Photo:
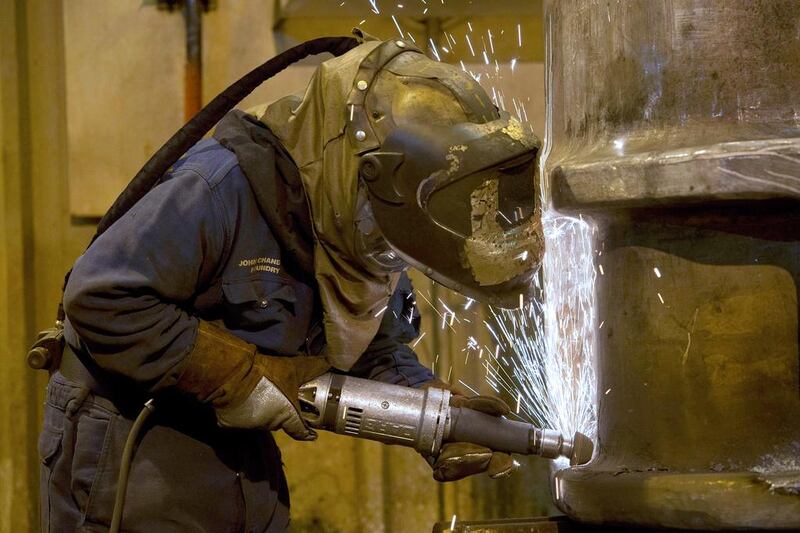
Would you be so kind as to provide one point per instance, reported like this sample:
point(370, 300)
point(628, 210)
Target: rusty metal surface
point(674, 124)
point(673, 99)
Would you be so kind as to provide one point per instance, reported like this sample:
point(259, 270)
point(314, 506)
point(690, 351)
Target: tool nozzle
point(552, 444)
point(582, 449)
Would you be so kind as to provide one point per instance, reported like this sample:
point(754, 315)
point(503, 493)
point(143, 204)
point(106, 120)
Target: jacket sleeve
point(389, 359)
point(128, 294)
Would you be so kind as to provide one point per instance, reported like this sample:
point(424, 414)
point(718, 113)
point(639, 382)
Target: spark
point(374, 6)
point(551, 340)
point(524, 113)
point(519, 402)
point(609, 390)
point(469, 25)
point(446, 308)
point(397, 25)
point(513, 63)
point(485, 57)
point(431, 305)
point(453, 523)
point(379, 313)
point(424, 11)
point(491, 42)
point(433, 49)
point(469, 43)
point(470, 388)
point(519, 35)
point(362, 22)
point(657, 272)
point(469, 303)
point(601, 269)
point(418, 339)
point(352, 110)
point(660, 297)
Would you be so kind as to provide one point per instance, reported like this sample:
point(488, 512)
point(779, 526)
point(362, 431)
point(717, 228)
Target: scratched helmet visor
point(461, 206)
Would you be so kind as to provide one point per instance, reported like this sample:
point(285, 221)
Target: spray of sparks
point(542, 353)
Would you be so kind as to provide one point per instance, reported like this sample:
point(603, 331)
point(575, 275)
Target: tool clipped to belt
point(47, 351)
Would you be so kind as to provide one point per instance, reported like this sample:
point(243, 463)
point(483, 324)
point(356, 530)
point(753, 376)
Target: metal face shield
point(459, 203)
point(493, 212)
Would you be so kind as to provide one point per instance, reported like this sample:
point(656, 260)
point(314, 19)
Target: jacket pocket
point(256, 304)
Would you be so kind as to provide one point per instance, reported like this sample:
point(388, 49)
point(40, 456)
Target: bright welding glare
point(552, 338)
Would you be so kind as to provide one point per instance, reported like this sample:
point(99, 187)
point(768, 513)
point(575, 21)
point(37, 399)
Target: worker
point(267, 255)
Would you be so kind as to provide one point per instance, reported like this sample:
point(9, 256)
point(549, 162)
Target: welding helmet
point(448, 181)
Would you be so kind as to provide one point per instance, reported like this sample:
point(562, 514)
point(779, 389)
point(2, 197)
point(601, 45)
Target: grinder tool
point(423, 419)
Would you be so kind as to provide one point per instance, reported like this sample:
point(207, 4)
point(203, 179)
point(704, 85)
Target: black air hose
point(206, 118)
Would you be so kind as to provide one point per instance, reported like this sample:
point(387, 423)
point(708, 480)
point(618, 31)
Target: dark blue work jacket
point(196, 247)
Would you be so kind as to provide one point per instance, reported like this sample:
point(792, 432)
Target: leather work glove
point(457, 460)
point(248, 389)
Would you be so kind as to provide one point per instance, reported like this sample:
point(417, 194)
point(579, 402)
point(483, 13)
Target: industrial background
point(89, 90)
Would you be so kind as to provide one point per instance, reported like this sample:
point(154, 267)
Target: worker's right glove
point(457, 460)
point(248, 389)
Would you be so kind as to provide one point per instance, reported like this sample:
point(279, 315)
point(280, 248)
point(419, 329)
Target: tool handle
point(499, 434)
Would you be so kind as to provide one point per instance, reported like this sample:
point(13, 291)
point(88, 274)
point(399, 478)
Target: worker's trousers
point(186, 475)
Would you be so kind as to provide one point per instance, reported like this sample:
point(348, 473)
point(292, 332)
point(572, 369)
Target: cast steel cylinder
point(674, 125)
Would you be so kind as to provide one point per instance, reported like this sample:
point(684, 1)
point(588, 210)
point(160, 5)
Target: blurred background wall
point(90, 88)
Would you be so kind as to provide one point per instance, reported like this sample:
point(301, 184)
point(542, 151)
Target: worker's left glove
point(246, 388)
point(457, 460)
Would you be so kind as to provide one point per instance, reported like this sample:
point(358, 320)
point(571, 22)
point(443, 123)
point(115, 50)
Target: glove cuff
point(219, 369)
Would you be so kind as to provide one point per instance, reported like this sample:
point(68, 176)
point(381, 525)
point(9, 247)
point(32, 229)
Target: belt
point(175, 410)
point(122, 395)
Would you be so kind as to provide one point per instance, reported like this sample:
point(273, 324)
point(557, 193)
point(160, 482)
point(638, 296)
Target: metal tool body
point(424, 420)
